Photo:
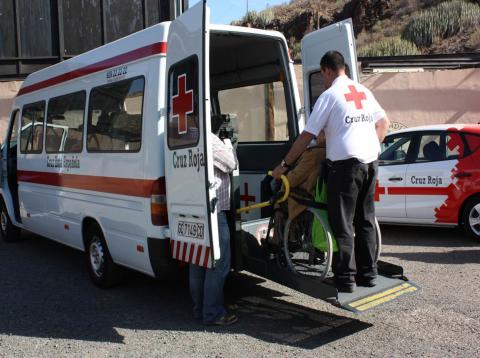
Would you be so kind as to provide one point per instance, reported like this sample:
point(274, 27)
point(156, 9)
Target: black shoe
point(367, 282)
point(346, 287)
point(225, 320)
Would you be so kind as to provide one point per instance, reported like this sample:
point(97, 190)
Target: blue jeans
point(206, 285)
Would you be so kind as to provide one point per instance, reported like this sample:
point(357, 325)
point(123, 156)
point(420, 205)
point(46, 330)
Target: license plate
point(189, 229)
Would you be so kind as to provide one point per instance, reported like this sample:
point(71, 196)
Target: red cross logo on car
point(182, 104)
point(379, 190)
point(355, 96)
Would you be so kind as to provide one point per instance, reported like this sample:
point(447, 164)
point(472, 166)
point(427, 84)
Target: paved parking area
point(48, 307)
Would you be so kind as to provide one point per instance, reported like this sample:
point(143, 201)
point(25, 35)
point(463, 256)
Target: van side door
point(190, 183)
point(9, 162)
point(338, 37)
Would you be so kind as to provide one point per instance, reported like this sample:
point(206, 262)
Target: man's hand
point(297, 149)
point(278, 172)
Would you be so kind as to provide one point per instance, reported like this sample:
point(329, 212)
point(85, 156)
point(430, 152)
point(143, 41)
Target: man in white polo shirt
point(354, 125)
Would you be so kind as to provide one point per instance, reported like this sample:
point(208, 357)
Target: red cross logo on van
point(355, 96)
point(182, 104)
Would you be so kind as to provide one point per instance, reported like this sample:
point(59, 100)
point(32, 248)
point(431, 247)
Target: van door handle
point(463, 175)
point(395, 179)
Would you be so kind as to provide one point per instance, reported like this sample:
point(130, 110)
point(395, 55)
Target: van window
point(317, 87)
point(65, 123)
point(183, 126)
point(261, 111)
point(115, 117)
point(31, 134)
point(432, 148)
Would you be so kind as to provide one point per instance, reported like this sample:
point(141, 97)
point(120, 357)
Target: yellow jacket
point(304, 175)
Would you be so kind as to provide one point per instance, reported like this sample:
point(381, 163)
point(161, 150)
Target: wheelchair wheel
point(300, 254)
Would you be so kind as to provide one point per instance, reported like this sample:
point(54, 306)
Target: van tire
point(8, 231)
point(101, 268)
point(471, 217)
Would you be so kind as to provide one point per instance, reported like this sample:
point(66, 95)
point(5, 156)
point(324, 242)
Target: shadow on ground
point(46, 292)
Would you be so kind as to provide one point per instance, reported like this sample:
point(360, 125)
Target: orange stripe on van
point(149, 50)
point(122, 186)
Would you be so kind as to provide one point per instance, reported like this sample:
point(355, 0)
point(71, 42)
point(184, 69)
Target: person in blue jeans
point(206, 284)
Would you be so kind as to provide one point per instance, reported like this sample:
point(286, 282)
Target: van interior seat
point(74, 140)
point(53, 139)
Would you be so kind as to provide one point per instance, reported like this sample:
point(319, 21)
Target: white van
point(108, 152)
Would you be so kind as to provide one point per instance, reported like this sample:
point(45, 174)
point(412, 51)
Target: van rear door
point(190, 181)
point(338, 37)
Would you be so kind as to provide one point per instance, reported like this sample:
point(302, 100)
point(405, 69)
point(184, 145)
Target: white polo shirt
point(347, 112)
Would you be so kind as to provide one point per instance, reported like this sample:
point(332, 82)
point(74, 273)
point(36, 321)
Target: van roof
point(148, 42)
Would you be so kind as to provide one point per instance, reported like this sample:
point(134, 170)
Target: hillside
point(382, 27)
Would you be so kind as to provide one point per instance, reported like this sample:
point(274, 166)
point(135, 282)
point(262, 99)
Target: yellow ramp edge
point(381, 297)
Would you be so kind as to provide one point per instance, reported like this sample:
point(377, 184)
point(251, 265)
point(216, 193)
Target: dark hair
point(333, 60)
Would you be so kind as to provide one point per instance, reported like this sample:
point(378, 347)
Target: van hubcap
point(97, 259)
point(3, 221)
point(474, 219)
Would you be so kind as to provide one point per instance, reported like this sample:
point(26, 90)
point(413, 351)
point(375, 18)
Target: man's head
point(332, 65)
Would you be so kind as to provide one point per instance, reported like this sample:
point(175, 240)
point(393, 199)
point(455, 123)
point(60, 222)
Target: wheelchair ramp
point(391, 283)
point(366, 298)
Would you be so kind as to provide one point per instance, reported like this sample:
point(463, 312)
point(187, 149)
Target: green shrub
point(264, 18)
point(391, 46)
point(444, 20)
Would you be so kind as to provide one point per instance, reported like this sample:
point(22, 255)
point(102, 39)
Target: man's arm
point(381, 126)
point(223, 155)
point(297, 149)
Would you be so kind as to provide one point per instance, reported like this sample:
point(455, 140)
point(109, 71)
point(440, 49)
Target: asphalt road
point(48, 307)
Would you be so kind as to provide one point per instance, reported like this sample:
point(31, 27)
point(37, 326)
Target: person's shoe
point(346, 287)
point(225, 320)
point(367, 282)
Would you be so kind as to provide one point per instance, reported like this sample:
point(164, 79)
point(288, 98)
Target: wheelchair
point(295, 249)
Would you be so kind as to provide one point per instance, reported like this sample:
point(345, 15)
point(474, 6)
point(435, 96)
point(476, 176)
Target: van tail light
point(158, 203)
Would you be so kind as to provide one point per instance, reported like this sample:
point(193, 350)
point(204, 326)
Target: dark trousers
point(351, 211)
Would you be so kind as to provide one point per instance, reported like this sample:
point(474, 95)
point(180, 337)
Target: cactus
point(391, 46)
point(444, 20)
point(264, 18)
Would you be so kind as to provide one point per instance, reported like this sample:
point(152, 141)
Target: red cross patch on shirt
point(182, 103)
point(356, 97)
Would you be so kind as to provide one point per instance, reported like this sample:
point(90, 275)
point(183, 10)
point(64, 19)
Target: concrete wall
point(430, 97)
point(8, 91)
point(412, 99)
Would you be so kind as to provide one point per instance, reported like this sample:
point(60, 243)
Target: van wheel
point(103, 271)
point(471, 217)
point(8, 231)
